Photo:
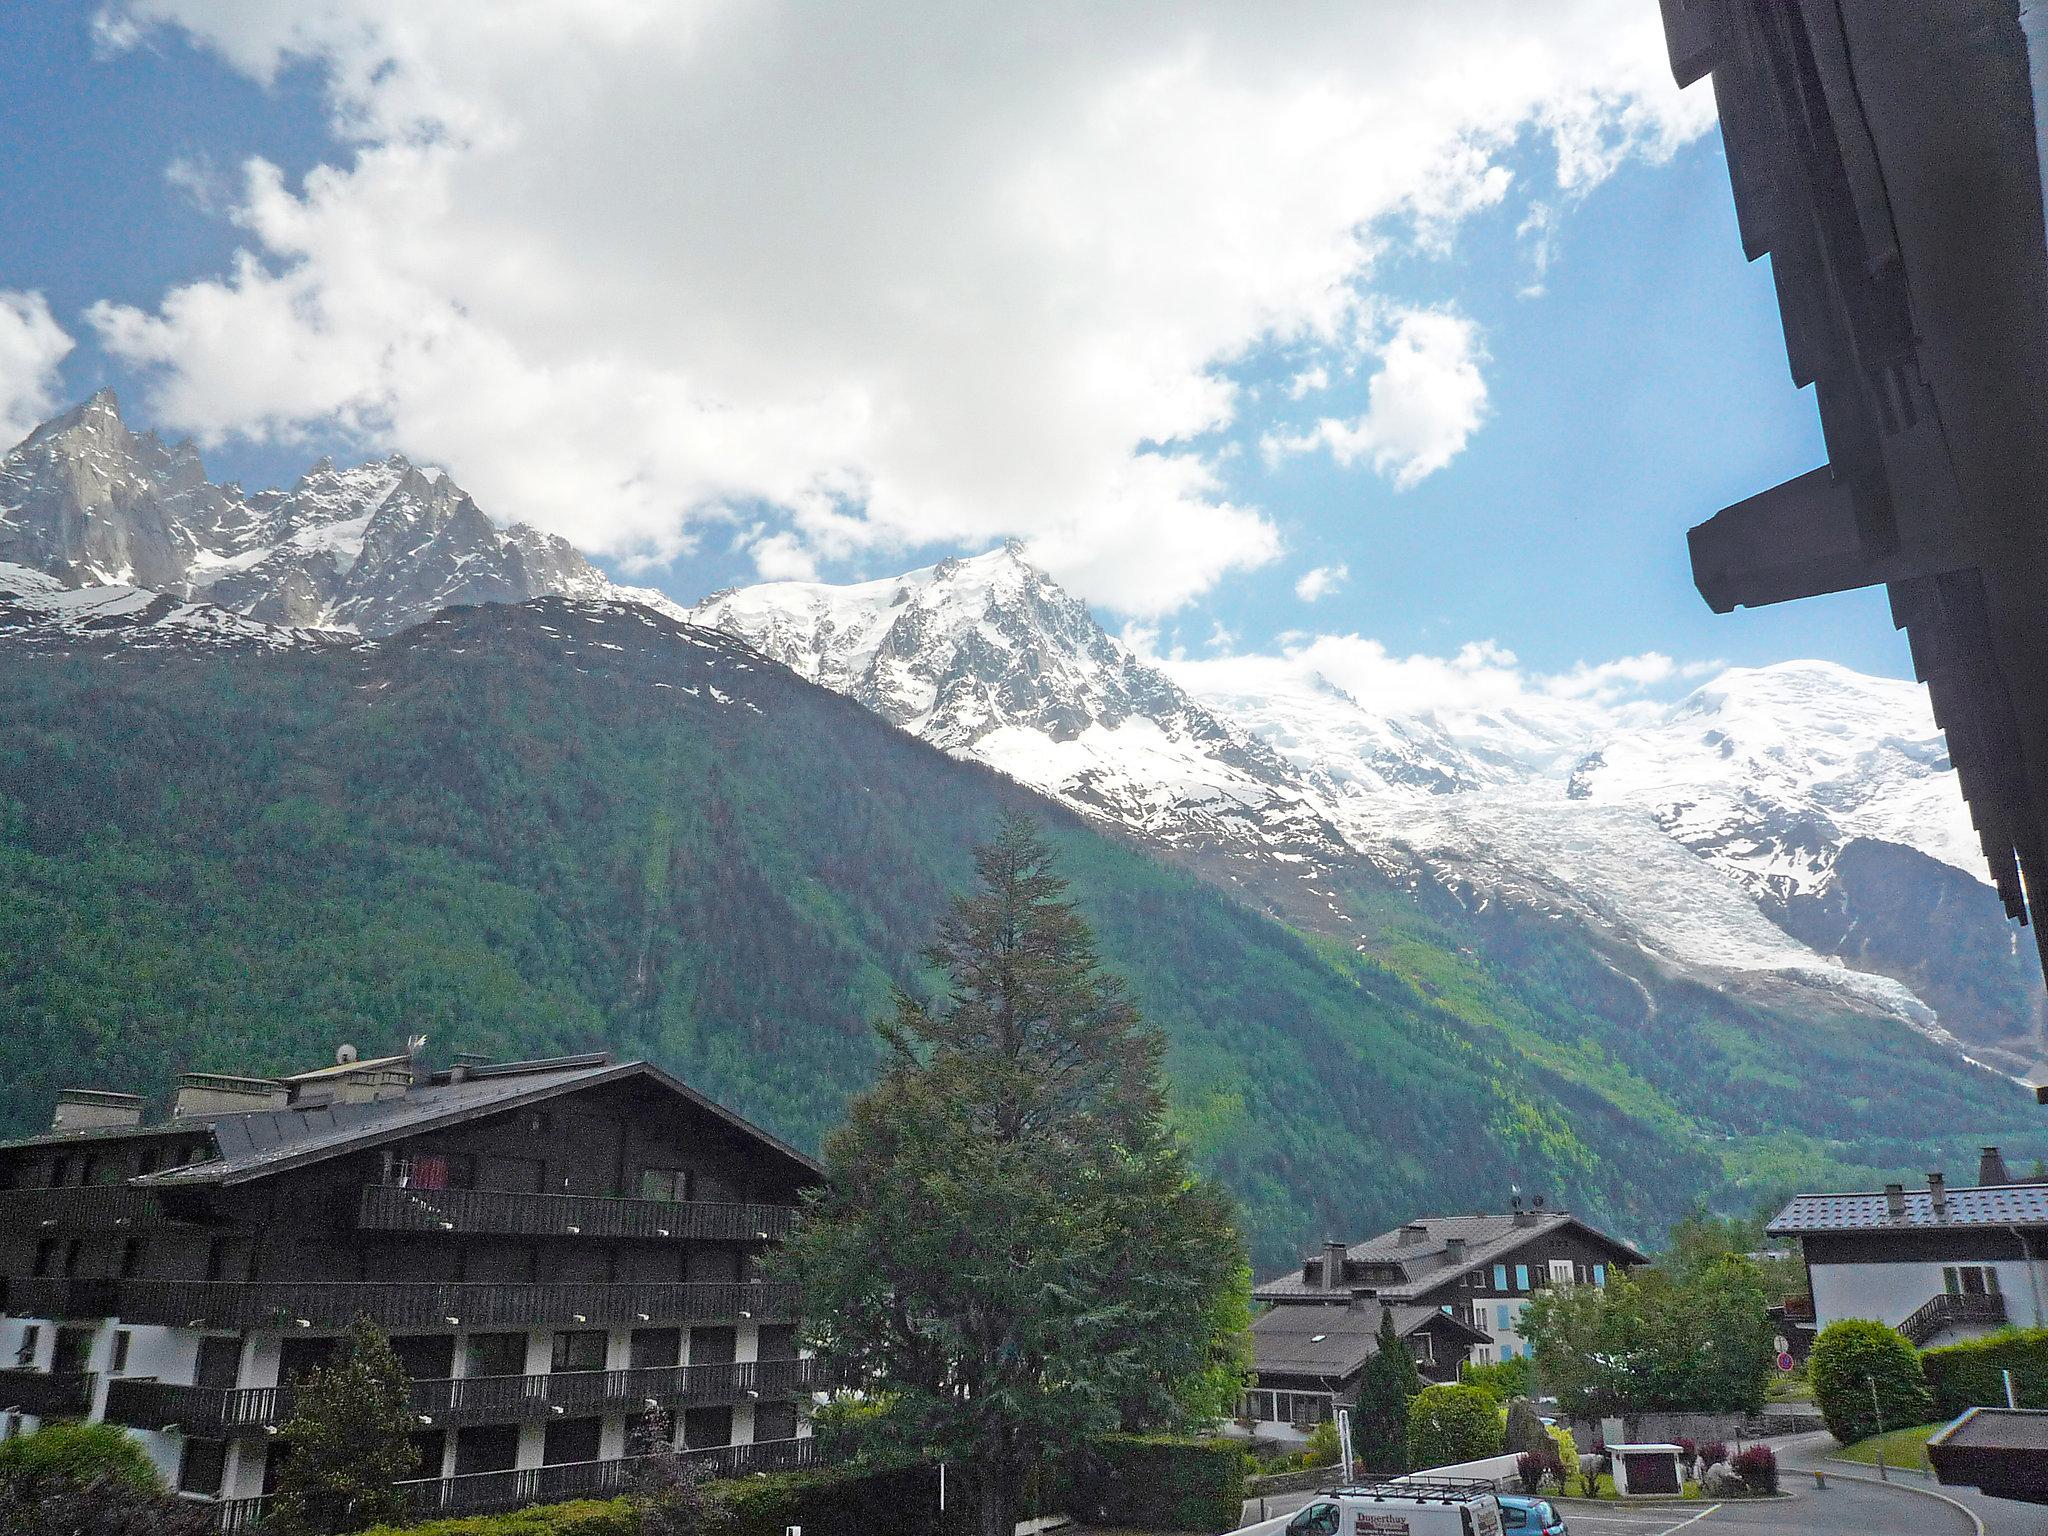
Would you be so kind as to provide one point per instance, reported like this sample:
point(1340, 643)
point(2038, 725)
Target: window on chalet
point(1500, 1277)
point(704, 1428)
point(1422, 1347)
point(429, 1170)
point(31, 1338)
point(497, 1354)
point(60, 1172)
point(73, 1348)
point(201, 1466)
point(1599, 1274)
point(656, 1347)
point(486, 1448)
point(664, 1184)
point(775, 1421)
point(118, 1362)
point(1969, 1280)
point(1521, 1277)
point(582, 1350)
point(571, 1440)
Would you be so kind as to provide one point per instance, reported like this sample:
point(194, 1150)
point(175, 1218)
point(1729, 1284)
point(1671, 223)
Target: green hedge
point(583, 1517)
point(1966, 1375)
point(1156, 1483)
point(838, 1502)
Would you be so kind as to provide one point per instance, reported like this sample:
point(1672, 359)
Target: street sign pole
point(1344, 1440)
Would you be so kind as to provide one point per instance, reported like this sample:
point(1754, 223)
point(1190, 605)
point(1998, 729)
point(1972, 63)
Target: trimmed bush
point(1525, 1433)
point(1450, 1424)
point(1966, 1375)
point(582, 1517)
point(1323, 1447)
point(1156, 1483)
point(1847, 1358)
point(1757, 1466)
point(837, 1502)
point(74, 1456)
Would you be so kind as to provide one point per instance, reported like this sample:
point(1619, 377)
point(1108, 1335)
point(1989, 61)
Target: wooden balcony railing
point(428, 1306)
point(1950, 1312)
point(81, 1208)
point(66, 1395)
point(45, 1296)
point(444, 1402)
point(390, 1208)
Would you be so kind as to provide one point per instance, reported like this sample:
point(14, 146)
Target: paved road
point(2001, 1517)
point(1839, 1508)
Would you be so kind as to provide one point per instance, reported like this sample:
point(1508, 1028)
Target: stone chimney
point(1937, 1192)
point(1454, 1250)
point(1523, 1218)
point(1333, 1265)
point(1895, 1201)
point(1991, 1168)
point(94, 1109)
point(1411, 1233)
point(1365, 1299)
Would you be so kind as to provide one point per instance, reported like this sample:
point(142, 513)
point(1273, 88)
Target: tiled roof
point(1991, 1205)
point(1331, 1341)
point(1422, 1259)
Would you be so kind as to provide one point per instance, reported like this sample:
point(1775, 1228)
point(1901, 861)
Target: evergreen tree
point(1379, 1419)
point(1010, 1244)
point(350, 1439)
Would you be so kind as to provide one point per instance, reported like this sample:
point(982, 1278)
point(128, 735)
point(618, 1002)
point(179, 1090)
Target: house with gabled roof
point(1455, 1284)
point(1939, 1263)
point(558, 1249)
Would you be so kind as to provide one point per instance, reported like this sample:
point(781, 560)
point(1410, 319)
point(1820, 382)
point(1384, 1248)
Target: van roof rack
point(1395, 1486)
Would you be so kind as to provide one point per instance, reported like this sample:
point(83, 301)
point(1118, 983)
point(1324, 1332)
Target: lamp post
point(1877, 1408)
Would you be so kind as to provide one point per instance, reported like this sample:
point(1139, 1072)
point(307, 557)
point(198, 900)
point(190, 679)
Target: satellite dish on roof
point(344, 1054)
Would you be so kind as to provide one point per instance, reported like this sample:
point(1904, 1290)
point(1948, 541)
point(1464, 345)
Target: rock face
point(1791, 825)
point(370, 549)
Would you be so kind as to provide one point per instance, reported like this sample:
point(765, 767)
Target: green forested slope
point(524, 830)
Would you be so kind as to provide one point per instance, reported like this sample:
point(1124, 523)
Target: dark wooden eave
point(1885, 156)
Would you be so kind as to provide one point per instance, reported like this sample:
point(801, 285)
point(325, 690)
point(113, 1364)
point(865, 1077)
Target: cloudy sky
point(1410, 333)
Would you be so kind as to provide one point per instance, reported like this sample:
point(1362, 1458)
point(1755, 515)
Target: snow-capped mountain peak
point(371, 548)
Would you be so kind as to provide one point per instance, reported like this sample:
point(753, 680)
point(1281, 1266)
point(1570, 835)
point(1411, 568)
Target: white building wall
point(1892, 1292)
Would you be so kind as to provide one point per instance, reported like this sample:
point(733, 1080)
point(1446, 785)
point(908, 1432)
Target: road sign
point(1785, 1361)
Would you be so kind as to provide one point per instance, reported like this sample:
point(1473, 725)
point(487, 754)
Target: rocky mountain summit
point(1735, 836)
point(370, 549)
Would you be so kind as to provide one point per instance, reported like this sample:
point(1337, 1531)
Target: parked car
point(1530, 1517)
point(1409, 1508)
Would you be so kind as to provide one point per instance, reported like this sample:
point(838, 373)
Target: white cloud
point(32, 344)
point(885, 278)
point(1481, 681)
point(1321, 581)
point(1308, 379)
point(1422, 407)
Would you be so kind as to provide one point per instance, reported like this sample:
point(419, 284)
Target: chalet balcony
point(65, 1396)
point(1944, 1312)
point(482, 1493)
point(57, 1298)
point(446, 1402)
point(82, 1208)
point(422, 1306)
point(509, 1213)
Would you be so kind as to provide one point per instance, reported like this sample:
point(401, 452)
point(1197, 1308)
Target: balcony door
point(220, 1359)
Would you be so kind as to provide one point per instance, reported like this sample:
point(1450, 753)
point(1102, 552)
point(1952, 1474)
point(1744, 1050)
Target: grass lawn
point(1901, 1448)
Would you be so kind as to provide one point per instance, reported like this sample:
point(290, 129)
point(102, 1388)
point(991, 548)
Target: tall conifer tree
point(1011, 1249)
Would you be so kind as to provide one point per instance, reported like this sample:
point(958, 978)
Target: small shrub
point(1567, 1455)
point(1688, 1449)
point(1450, 1424)
point(1714, 1452)
point(1851, 1355)
point(1592, 1468)
point(1757, 1466)
point(61, 1456)
point(1535, 1468)
point(1525, 1430)
point(1322, 1446)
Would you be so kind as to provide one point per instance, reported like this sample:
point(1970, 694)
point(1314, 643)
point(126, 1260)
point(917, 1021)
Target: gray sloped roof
point(1334, 1340)
point(255, 1143)
point(1424, 1262)
point(1989, 1205)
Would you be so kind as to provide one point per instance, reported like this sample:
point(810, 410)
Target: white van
point(1409, 1508)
